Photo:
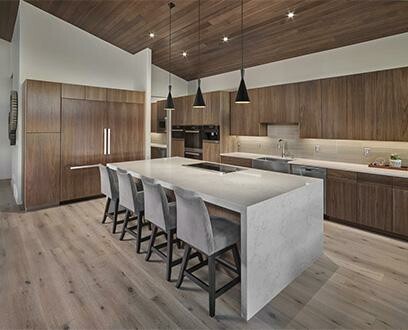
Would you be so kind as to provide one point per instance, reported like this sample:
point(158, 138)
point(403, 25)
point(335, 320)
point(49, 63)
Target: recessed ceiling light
point(291, 14)
point(151, 35)
point(225, 39)
point(184, 54)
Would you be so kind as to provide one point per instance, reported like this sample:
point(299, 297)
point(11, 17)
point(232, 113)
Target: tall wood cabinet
point(69, 130)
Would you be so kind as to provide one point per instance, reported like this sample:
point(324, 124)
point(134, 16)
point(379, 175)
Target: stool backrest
point(193, 221)
point(156, 204)
point(109, 184)
point(128, 195)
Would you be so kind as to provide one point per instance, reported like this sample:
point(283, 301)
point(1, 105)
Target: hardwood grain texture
point(245, 162)
point(82, 143)
point(400, 211)
point(177, 147)
point(318, 25)
point(8, 15)
point(310, 109)
point(126, 122)
point(245, 118)
point(211, 151)
point(61, 268)
point(95, 93)
point(124, 96)
point(41, 170)
point(400, 104)
point(43, 106)
point(70, 91)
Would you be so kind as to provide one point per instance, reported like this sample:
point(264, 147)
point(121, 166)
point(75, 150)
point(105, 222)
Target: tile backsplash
point(352, 151)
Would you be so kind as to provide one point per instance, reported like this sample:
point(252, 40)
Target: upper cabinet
point(400, 100)
point(310, 109)
point(245, 118)
point(42, 106)
point(279, 104)
point(124, 96)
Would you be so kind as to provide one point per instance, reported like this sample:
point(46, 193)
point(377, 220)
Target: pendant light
point(242, 95)
point(169, 102)
point(199, 100)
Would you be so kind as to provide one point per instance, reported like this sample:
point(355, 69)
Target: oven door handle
point(192, 132)
point(177, 130)
point(192, 153)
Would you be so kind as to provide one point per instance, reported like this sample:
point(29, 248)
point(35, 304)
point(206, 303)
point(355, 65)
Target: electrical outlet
point(317, 148)
point(366, 151)
point(259, 145)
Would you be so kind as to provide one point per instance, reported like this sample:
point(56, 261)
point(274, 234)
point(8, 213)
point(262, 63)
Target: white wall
point(53, 50)
point(160, 84)
point(379, 54)
point(5, 86)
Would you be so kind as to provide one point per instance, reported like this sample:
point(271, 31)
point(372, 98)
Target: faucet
point(282, 146)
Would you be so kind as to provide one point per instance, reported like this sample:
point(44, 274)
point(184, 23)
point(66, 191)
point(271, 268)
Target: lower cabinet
point(211, 151)
point(341, 195)
point(244, 162)
point(177, 147)
point(400, 206)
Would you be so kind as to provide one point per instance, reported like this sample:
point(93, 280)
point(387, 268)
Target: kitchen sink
point(272, 164)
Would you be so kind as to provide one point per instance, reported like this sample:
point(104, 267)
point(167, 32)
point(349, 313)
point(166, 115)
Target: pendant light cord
point(199, 41)
point(242, 37)
point(170, 7)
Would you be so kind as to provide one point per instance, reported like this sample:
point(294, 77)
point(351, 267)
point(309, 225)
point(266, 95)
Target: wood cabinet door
point(400, 211)
point(82, 144)
point(341, 195)
point(334, 108)
point(177, 147)
point(245, 117)
point(42, 170)
point(244, 162)
point(177, 115)
point(211, 151)
point(400, 109)
point(127, 136)
point(375, 201)
point(310, 108)
point(211, 113)
point(42, 107)
point(124, 96)
point(70, 91)
point(356, 126)
point(95, 93)
point(154, 120)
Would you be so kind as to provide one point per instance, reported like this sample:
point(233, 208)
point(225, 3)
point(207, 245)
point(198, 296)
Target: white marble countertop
point(158, 145)
point(235, 191)
point(353, 167)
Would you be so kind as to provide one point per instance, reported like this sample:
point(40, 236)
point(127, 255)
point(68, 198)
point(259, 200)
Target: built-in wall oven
point(193, 142)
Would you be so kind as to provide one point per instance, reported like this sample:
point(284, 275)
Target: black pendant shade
point(199, 100)
point(242, 95)
point(169, 102)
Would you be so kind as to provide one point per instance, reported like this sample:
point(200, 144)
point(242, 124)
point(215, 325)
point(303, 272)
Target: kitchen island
point(281, 218)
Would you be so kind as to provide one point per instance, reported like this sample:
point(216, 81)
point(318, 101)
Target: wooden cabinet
point(245, 117)
point(177, 115)
point(95, 93)
point(41, 170)
point(211, 113)
point(244, 162)
point(177, 147)
point(42, 106)
point(211, 151)
point(375, 200)
point(400, 206)
point(126, 125)
point(341, 195)
point(279, 104)
point(400, 104)
point(70, 91)
point(158, 115)
point(310, 109)
point(124, 96)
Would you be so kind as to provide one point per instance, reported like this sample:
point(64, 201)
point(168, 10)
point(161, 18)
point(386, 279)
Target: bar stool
point(109, 187)
point(133, 201)
point(211, 236)
point(161, 214)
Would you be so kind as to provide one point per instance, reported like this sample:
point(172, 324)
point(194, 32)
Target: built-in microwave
point(162, 125)
point(211, 133)
point(177, 132)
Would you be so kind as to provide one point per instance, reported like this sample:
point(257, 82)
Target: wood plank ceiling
point(8, 14)
point(269, 35)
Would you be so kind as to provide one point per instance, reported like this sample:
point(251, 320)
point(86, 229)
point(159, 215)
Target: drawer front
point(245, 162)
point(401, 183)
point(338, 174)
point(373, 178)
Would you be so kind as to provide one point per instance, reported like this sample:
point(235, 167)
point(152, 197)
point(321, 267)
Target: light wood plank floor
point(61, 268)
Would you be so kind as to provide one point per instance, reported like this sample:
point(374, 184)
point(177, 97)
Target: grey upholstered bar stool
point(132, 199)
point(212, 236)
point(161, 214)
point(109, 187)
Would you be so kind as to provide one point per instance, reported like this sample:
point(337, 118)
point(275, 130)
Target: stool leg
point(211, 285)
point(184, 264)
point(105, 214)
point(139, 232)
point(151, 242)
point(115, 216)
point(125, 225)
point(169, 260)
point(237, 258)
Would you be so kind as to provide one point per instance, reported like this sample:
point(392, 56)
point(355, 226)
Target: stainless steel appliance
point(193, 142)
point(216, 167)
point(177, 132)
point(162, 125)
point(211, 133)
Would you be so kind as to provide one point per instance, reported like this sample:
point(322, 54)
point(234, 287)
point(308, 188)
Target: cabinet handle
point(104, 140)
point(83, 167)
point(109, 141)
